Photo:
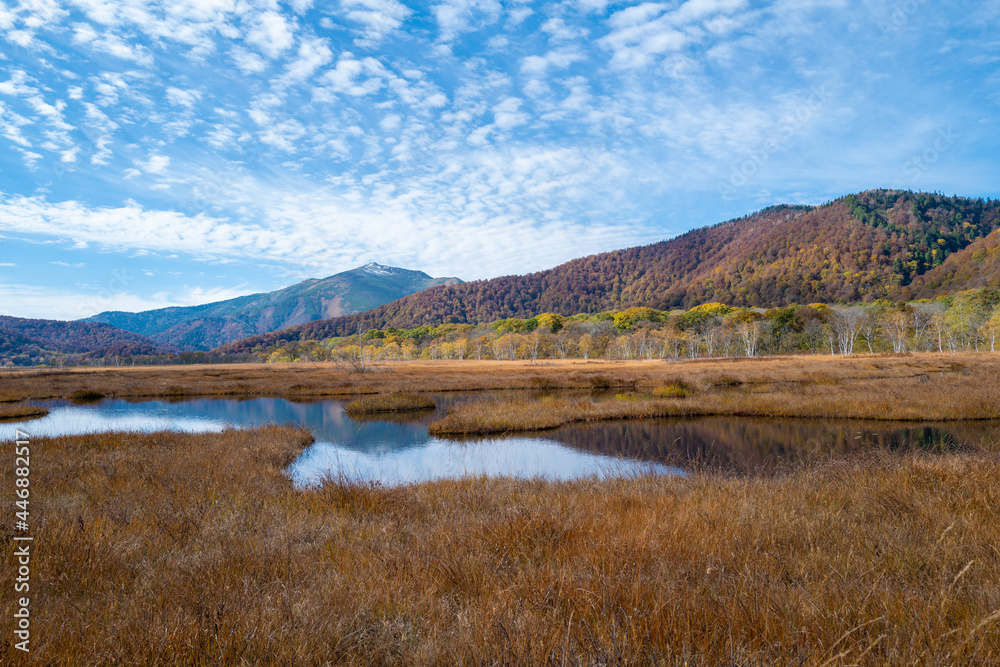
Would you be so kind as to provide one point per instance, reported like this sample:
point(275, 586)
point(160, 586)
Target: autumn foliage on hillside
point(30, 341)
point(879, 244)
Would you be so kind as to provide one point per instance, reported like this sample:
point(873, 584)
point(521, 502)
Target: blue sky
point(173, 153)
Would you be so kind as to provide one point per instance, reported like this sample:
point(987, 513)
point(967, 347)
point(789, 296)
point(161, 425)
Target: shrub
point(674, 390)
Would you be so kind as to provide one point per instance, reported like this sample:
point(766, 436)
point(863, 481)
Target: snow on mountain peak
point(375, 267)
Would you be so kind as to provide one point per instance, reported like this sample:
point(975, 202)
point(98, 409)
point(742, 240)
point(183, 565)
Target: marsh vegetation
point(197, 549)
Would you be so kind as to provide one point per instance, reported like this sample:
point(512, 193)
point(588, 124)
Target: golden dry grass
point(17, 412)
point(677, 389)
point(380, 403)
point(970, 396)
point(308, 380)
point(171, 549)
point(881, 387)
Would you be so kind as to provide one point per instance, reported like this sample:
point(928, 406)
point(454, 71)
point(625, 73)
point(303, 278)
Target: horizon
point(172, 154)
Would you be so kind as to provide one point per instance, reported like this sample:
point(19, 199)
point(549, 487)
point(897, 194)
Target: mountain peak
point(380, 269)
point(212, 324)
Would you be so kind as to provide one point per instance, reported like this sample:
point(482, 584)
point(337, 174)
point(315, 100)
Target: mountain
point(26, 341)
point(212, 324)
point(873, 245)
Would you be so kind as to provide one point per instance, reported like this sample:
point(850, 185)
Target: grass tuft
point(676, 389)
point(16, 412)
point(86, 396)
point(399, 402)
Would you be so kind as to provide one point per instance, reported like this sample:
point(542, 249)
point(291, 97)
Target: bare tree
point(871, 322)
point(847, 327)
point(922, 314)
point(712, 335)
point(749, 332)
point(897, 327)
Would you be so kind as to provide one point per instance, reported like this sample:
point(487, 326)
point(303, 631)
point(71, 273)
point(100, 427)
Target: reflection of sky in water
point(436, 459)
point(391, 453)
point(397, 451)
point(111, 416)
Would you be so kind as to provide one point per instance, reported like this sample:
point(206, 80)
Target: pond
point(398, 449)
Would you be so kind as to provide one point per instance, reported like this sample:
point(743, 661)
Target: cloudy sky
point(180, 152)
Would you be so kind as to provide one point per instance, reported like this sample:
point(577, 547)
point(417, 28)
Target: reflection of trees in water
point(421, 417)
point(746, 444)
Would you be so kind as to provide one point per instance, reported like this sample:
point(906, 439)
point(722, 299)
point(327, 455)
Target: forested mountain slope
point(877, 244)
point(28, 341)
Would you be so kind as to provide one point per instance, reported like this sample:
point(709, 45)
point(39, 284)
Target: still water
point(391, 451)
point(398, 450)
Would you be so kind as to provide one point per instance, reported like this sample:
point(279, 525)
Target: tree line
point(967, 321)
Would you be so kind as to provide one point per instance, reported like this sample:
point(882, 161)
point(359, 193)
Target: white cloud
point(379, 17)
point(10, 126)
point(183, 97)
point(15, 85)
point(112, 44)
point(221, 137)
point(346, 76)
point(283, 135)
point(558, 31)
point(537, 66)
point(520, 202)
point(457, 16)
point(641, 33)
point(313, 54)
point(271, 33)
point(156, 164)
point(507, 114)
point(248, 62)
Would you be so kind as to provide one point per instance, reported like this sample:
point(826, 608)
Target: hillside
point(26, 341)
point(209, 325)
point(877, 244)
point(978, 265)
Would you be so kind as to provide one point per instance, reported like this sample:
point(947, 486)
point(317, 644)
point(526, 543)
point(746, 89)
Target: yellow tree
point(991, 328)
point(551, 322)
point(506, 345)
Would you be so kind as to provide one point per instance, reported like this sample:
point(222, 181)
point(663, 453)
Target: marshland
point(199, 548)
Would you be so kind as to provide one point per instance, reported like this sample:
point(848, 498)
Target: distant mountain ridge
point(210, 325)
point(878, 244)
point(26, 341)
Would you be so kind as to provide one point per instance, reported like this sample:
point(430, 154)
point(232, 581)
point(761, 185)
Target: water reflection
point(748, 444)
point(399, 449)
point(391, 451)
point(440, 459)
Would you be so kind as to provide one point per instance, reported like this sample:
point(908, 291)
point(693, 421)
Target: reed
point(399, 402)
point(675, 389)
point(195, 549)
point(17, 412)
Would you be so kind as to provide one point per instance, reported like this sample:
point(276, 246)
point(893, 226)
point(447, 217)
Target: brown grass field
point(196, 549)
point(181, 549)
point(906, 387)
